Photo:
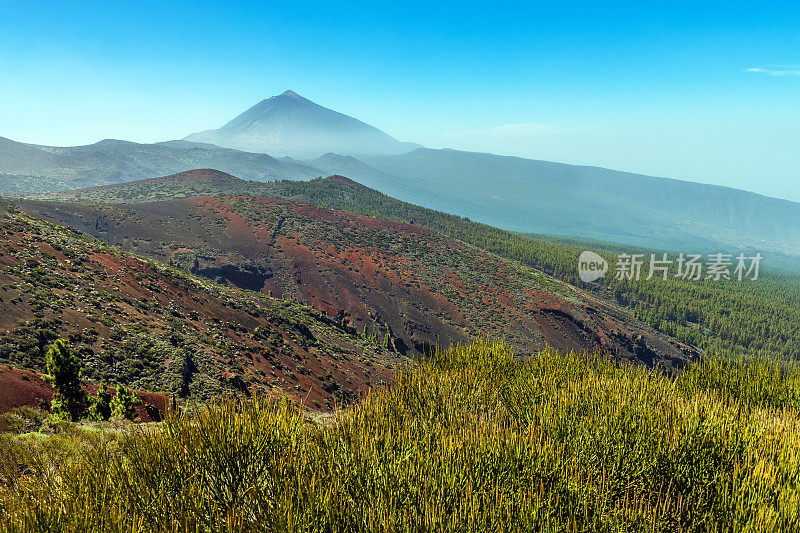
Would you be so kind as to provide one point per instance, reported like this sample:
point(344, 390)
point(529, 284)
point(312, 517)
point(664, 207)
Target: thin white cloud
point(777, 71)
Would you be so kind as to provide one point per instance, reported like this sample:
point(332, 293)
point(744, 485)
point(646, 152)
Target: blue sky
point(701, 91)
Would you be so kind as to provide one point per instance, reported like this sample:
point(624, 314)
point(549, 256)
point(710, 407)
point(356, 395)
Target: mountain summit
point(289, 124)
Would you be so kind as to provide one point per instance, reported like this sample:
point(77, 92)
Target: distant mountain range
point(539, 196)
point(290, 125)
point(115, 161)
point(509, 192)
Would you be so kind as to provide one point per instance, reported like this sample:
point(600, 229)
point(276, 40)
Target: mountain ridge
point(117, 161)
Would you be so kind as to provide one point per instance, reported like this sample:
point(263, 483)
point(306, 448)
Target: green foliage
point(22, 419)
point(64, 373)
point(124, 403)
point(27, 344)
point(23, 185)
point(469, 440)
point(100, 404)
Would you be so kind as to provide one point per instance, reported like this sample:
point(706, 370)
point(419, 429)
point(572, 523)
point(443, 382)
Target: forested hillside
point(411, 286)
point(742, 318)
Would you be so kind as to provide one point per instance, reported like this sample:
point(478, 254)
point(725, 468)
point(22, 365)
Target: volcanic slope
point(411, 283)
point(156, 328)
point(737, 318)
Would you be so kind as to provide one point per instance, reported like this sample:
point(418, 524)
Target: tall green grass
point(468, 440)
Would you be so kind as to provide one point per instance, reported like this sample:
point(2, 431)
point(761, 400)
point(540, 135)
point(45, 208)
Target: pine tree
point(64, 373)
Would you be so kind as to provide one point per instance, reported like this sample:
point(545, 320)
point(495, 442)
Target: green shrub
point(124, 403)
point(100, 405)
point(22, 420)
point(469, 440)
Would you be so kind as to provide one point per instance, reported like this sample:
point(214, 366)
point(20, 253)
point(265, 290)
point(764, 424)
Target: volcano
point(290, 125)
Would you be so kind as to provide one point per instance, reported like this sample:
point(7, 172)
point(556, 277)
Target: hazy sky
point(699, 90)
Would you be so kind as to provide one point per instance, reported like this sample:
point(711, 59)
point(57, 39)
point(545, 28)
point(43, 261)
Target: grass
point(470, 439)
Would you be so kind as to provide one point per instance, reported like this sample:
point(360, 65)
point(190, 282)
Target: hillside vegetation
point(413, 284)
point(468, 440)
point(157, 328)
point(741, 318)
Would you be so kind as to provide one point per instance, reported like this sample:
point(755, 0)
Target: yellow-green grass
point(468, 440)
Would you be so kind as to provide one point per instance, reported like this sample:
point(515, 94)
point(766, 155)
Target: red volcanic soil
point(23, 387)
point(413, 284)
point(27, 388)
point(114, 304)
